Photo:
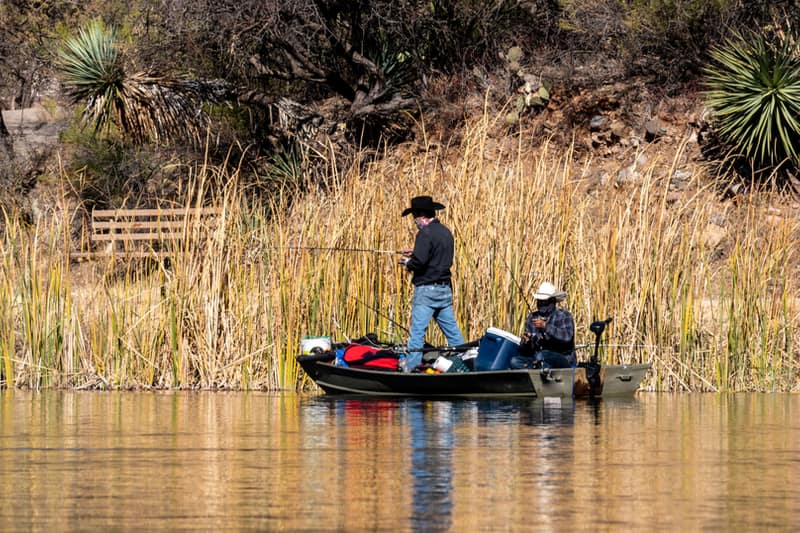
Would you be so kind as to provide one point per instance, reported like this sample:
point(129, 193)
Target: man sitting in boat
point(549, 338)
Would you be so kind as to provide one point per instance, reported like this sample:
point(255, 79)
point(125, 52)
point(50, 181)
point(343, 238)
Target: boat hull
point(614, 380)
point(563, 382)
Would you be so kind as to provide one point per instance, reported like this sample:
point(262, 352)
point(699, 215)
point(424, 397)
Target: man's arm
point(422, 253)
point(560, 327)
point(532, 337)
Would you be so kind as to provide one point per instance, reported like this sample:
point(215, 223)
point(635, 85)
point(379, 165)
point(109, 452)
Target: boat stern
point(615, 380)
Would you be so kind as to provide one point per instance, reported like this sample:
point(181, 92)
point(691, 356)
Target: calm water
point(251, 461)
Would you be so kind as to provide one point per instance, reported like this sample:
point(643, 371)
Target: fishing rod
point(337, 249)
point(628, 345)
point(390, 319)
point(336, 323)
point(519, 287)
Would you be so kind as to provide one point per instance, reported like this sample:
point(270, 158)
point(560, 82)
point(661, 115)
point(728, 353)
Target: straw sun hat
point(547, 291)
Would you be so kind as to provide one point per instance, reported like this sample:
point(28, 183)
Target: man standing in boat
point(429, 262)
point(549, 338)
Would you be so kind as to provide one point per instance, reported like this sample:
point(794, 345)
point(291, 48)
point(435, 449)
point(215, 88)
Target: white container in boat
point(311, 344)
point(442, 364)
point(472, 353)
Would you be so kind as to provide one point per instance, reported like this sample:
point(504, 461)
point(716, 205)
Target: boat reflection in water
point(251, 461)
point(431, 450)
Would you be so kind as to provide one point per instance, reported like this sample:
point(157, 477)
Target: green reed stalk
point(45, 312)
point(7, 327)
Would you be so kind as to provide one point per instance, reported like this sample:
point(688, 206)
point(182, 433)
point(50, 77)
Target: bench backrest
point(145, 232)
point(149, 224)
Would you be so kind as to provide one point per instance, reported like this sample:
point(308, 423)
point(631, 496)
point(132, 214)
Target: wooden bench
point(153, 233)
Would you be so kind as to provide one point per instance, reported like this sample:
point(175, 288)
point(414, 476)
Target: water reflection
point(430, 428)
point(598, 408)
point(252, 461)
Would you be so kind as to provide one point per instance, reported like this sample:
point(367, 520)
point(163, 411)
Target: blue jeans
point(431, 302)
point(543, 359)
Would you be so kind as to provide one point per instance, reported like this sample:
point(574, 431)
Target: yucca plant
point(145, 107)
point(287, 165)
point(753, 89)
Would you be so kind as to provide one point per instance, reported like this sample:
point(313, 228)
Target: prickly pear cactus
point(533, 91)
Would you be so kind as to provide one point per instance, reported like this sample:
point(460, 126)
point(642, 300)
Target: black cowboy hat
point(422, 203)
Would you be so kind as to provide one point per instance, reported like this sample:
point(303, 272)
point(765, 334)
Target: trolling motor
point(593, 366)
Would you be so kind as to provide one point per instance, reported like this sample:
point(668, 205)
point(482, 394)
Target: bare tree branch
point(397, 103)
point(367, 55)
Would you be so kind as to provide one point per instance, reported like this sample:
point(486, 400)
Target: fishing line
point(519, 288)
point(381, 314)
point(336, 323)
point(336, 249)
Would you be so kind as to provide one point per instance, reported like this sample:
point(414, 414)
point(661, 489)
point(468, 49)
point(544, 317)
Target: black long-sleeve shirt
point(433, 255)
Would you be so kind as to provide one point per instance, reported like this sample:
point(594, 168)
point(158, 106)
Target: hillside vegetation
point(570, 141)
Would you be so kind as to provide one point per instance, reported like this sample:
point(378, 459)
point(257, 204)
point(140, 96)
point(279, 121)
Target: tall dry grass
point(712, 313)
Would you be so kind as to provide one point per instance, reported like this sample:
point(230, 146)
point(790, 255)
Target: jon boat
point(588, 379)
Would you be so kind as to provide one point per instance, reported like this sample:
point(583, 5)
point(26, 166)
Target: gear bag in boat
point(362, 356)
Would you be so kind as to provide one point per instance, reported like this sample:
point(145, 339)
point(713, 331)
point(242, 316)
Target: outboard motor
point(593, 366)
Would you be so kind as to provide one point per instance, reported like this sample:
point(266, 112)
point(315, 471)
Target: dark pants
point(543, 359)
